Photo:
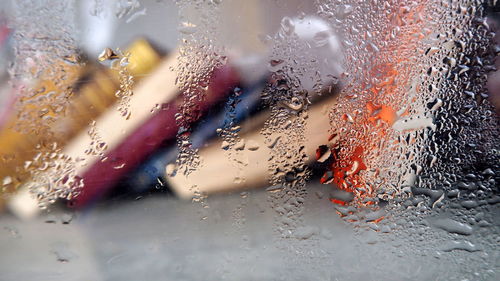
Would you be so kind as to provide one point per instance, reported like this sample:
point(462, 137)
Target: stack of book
point(93, 88)
point(141, 147)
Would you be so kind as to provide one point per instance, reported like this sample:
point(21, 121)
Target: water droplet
point(453, 226)
point(171, 170)
point(252, 145)
point(288, 26)
point(108, 54)
point(187, 28)
point(66, 218)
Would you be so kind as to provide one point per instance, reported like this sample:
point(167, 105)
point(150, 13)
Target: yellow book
point(92, 91)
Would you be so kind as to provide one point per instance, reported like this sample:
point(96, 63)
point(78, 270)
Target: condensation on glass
point(383, 104)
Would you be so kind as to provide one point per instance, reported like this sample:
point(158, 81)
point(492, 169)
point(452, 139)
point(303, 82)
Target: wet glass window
point(249, 140)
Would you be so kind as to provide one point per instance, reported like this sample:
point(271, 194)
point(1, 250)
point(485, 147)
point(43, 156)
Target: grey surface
point(160, 238)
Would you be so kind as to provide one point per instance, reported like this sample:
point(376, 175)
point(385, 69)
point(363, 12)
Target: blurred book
point(243, 108)
point(254, 152)
point(93, 91)
point(145, 138)
point(129, 141)
point(242, 104)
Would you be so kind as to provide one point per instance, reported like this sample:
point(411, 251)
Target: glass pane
point(249, 140)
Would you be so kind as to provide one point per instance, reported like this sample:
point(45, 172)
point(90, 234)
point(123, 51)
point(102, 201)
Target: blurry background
point(117, 62)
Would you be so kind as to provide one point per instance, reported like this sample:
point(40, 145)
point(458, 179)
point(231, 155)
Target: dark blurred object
point(493, 15)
